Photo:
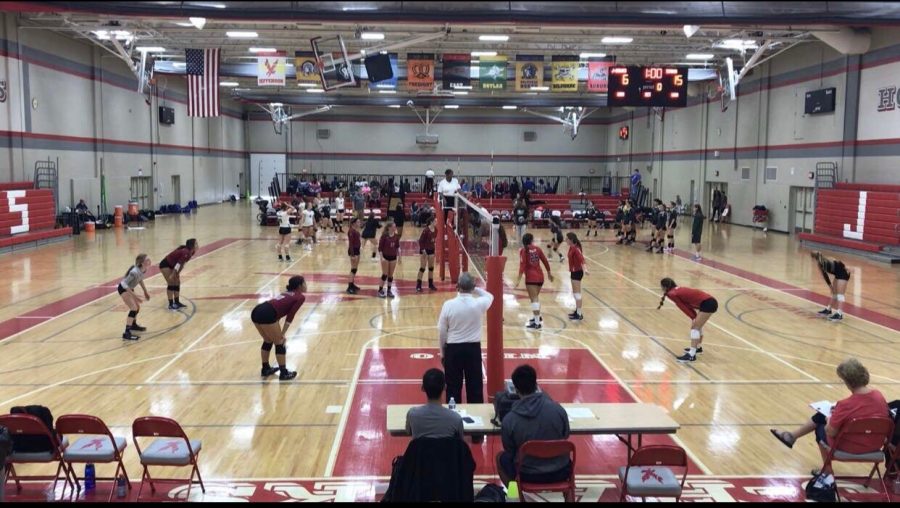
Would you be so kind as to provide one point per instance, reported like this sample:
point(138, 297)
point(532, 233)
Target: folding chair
point(547, 450)
point(30, 425)
point(865, 428)
point(170, 448)
point(97, 445)
point(649, 472)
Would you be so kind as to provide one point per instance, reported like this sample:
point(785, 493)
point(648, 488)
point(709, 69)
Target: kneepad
point(267, 346)
point(421, 270)
point(171, 287)
point(695, 334)
point(353, 271)
point(840, 298)
point(280, 349)
point(536, 306)
point(383, 278)
point(132, 313)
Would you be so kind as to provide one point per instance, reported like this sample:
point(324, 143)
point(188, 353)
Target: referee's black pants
point(464, 361)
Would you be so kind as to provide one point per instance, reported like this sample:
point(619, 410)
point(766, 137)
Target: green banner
point(492, 73)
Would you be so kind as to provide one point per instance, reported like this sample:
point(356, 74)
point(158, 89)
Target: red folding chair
point(649, 472)
point(30, 425)
point(170, 448)
point(547, 450)
point(97, 445)
point(862, 428)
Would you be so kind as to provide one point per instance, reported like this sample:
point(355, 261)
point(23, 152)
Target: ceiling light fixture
point(495, 38)
point(616, 40)
point(372, 36)
point(242, 35)
point(387, 91)
point(263, 50)
point(484, 53)
point(592, 55)
point(179, 23)
point(199, 23)
point(149, 49)
point(540, 88)
point(690, 30)
point(307, 85)
point(229, 83)
point(460, 92)
point(738, 44)
point(510, 107)
point(351, 8)
point(315, 90)
point(204, 4)
point(394, 106)
point(276, 104)
point(700, 56)
point(452, 106)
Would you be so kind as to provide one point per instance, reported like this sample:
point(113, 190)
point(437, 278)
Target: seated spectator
point(535, 417)
point(432, 419)
point(82, 209)
point(863, 402)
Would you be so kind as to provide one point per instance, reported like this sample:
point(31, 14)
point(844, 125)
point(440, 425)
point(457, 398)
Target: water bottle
point(452, 404)
point(89, 477)
point(512, 492)
point(121, 487)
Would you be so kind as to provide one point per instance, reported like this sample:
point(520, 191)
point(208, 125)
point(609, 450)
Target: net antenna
point(571, 117)
point(334, 63)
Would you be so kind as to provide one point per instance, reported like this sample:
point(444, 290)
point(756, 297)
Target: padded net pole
point(439, 243)
point(494, 266)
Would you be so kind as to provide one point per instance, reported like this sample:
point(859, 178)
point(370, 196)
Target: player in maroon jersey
point(266, 316)
point(171, 267)
point(698, 306)
point(354, 244)
point(426, 254)
point(576, 269)
point(389, 247)
point(530, 259)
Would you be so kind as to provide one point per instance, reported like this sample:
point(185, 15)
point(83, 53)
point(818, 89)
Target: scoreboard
point(636, 85)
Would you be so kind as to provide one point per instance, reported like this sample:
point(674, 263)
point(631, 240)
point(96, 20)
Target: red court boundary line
point(53, 310)
point(860, 312)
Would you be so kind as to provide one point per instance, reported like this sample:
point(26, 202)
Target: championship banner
point(529, 72)
point(305, 65)
point(492, 73)
point(564, 73)
point(419, 71)
point(598, 73)
point(385, 83)
point(270, 69)
point(457, 70)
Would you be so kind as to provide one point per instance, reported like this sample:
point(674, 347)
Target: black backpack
point(491, 493)
point(895, 439)
point(34, 444)
point(503, 403)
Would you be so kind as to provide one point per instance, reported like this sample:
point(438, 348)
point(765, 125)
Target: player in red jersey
point(698, 306)
point(576, 269)
point(265, 317)
point(530, 259)
point(354, 244)
point(389, 247)
point(426, 255)
point(171, 267)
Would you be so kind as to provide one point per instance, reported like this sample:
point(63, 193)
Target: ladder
point(46, 176)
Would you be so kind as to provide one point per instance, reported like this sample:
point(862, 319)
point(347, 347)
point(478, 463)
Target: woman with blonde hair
point(133, 277)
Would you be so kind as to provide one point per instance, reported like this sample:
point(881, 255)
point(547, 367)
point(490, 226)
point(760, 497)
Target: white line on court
point(345, 414)
point(222, 319)
point(745, 341)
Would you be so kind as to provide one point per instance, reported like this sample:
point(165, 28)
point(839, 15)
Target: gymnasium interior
point(128, 128)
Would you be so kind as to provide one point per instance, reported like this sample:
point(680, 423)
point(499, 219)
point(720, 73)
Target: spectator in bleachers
point(528, 185)
point(464, 186)
point(863, 402)
point(635, 182)
point(535, 417)
point(514, 189)
point(479, 190)
point(433, 420)
point(488, 187)
point(84, 212)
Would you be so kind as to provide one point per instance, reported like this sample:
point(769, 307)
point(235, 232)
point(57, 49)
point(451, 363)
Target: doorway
point(711, 187)
point(801, 214)
point(176, 189)
point(264, 167)
point(140, 191)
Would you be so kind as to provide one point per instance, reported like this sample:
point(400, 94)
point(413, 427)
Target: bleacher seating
point(27, 216)
point(864, 217)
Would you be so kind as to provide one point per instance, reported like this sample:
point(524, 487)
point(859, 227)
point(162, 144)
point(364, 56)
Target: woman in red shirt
point(265, 317)
point(389, 247)
point(171, 267)
point(354, 244)
point(576, 269)
point(698, 306)
point(426, 255)
point(530, 259)
point(863, 402)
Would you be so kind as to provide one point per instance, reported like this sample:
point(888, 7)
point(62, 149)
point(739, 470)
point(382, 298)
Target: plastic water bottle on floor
point(512, 492)
point(121, 487)
point(452, 404)
point(90, 478)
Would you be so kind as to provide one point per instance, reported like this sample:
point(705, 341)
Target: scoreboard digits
point(636, 85)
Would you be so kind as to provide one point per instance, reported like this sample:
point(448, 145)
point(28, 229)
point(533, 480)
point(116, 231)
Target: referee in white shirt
point(459, 329)
point(448, 188)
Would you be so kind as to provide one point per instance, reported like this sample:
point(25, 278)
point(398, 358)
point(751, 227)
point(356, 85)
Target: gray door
point(176, 189)
point(801, 210)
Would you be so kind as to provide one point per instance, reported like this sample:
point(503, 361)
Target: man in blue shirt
point(528, 185)
point(635, 182)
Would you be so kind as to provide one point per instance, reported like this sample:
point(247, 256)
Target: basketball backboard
point(333, 61)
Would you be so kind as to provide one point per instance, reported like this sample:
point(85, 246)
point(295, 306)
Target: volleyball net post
point(494, 266)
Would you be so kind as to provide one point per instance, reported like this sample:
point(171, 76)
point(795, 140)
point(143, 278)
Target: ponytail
point(667, 284)
point(574, 239)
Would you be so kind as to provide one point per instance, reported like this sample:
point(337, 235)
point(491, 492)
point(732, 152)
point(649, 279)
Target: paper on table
point(579, 412)
point(823, 406)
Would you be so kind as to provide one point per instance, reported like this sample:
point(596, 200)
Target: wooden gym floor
point(767, 354)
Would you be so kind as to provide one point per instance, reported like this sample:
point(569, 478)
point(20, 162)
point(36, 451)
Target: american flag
point(202, 70)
